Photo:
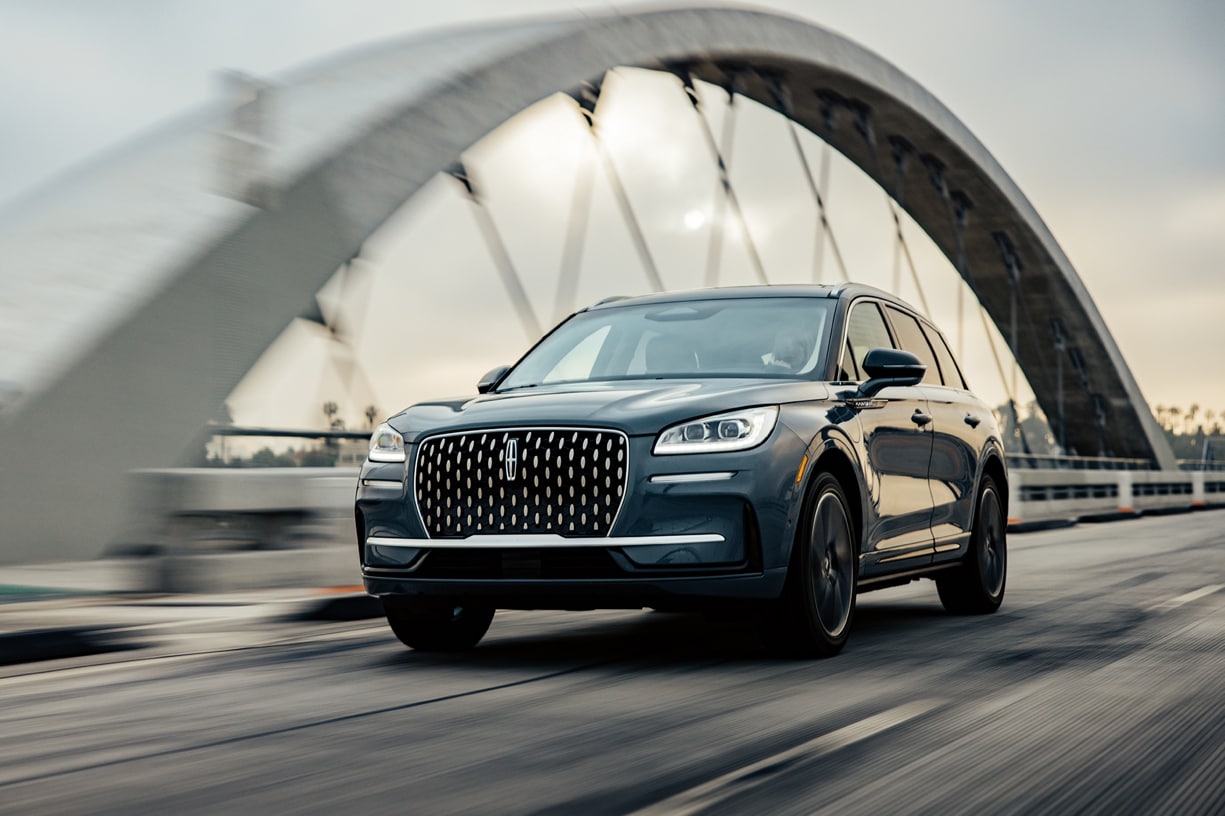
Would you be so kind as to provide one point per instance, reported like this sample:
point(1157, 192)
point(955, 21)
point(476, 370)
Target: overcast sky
point(1109, 115)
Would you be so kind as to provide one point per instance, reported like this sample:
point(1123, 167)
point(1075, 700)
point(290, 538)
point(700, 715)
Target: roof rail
point(609, 299)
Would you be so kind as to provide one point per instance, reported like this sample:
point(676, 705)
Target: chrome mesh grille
point(567, 481)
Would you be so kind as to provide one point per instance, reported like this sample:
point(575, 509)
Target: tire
point(449, 625)
point(976, 586)
point(813, 617)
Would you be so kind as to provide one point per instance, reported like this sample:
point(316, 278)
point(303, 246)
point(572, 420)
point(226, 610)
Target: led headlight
point(386, 445)
point(737, 430)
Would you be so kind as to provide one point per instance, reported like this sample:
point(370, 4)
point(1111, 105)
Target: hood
point(637, 407)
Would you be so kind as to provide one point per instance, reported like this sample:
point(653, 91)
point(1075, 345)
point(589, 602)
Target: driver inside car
point(792, 347)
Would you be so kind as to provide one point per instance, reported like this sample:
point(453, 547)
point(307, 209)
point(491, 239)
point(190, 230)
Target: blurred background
point(236, 235)
point(1106, 115)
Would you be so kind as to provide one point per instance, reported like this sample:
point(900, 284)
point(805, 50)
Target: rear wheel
point(813, 618)
point(976, 586)
point(437, 625)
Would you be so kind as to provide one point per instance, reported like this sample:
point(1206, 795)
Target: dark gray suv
point(766, 450)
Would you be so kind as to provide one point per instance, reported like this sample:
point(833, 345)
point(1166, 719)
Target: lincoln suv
point(767, 452)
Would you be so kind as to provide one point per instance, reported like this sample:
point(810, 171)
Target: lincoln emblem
point(510, 459)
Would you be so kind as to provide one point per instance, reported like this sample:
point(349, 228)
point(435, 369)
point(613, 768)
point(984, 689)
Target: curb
point(36, 645)
point(1106, 518)
point(1045, 524)
point(347, 607)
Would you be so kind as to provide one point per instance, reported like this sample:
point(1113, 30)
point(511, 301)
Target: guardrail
point(1200, 464)
point(1042, 461)
point(1043, 496)
point(212, 529)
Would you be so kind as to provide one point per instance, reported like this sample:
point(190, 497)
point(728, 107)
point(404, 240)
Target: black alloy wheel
point(976, 586)
point(448, 625)
point(813, 618)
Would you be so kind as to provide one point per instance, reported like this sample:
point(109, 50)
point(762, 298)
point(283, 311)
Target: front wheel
point(813, 618)
point(437, 626)
point(976, 586)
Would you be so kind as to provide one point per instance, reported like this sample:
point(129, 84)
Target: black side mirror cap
point(491, 379)
point(886, 367)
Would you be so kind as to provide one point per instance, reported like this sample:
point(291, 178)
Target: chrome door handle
point(972, 420)
point(919, 418)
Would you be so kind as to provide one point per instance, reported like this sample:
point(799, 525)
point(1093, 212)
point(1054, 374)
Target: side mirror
point(491, 379)
point(886, 367)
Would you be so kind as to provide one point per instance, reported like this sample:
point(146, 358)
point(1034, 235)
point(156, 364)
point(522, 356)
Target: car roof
point(839, 290)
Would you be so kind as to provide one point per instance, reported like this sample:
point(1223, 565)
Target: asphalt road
point(1099, 687)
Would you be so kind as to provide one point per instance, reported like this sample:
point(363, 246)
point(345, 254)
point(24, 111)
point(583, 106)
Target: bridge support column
point(1198, 494)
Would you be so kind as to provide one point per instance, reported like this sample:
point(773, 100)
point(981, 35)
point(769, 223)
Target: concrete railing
point(1037, 496)
point(1042, 461)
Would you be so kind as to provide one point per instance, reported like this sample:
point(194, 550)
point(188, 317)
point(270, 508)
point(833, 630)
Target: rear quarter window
point(949, 369)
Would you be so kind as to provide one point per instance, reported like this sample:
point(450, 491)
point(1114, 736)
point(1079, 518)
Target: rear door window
point(911, 336)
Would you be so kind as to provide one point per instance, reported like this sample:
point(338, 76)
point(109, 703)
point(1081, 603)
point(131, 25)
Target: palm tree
point(371, 413)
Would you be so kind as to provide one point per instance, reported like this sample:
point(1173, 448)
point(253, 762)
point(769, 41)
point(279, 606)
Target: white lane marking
point(708, 793)
point(1186, 598)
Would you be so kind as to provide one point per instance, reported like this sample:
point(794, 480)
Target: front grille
point(567, 481)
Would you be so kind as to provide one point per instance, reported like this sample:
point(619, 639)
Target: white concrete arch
point(141, 296)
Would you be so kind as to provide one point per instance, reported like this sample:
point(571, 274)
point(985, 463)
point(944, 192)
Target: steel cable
point(724, 178)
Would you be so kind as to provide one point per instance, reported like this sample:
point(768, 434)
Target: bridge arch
point(205, 283)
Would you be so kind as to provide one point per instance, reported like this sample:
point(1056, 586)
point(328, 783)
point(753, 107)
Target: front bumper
point(692, 528)
point(660, 592)
point(638, 552)
point(548, 571)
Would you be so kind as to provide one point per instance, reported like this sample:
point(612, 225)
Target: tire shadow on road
point(556, 640)
point(552, 640)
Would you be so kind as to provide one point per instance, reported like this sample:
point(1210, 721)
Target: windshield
point(744, 337)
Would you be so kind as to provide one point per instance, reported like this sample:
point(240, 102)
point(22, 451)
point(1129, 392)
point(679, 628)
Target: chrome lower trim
point(675, 478)
point(505, 542)
point(382, 484)
point(906, 574)
point(925, 553)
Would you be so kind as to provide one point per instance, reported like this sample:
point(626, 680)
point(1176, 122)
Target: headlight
point(737, 430)
point(386, 445)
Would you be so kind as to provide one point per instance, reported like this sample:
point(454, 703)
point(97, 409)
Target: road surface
point(1099, 687)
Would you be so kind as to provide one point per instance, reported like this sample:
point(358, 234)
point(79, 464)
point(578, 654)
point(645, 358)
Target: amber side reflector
point(799, 474)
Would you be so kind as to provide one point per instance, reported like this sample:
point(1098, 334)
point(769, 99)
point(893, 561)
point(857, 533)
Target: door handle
point(919, 418)
point(972, 420)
